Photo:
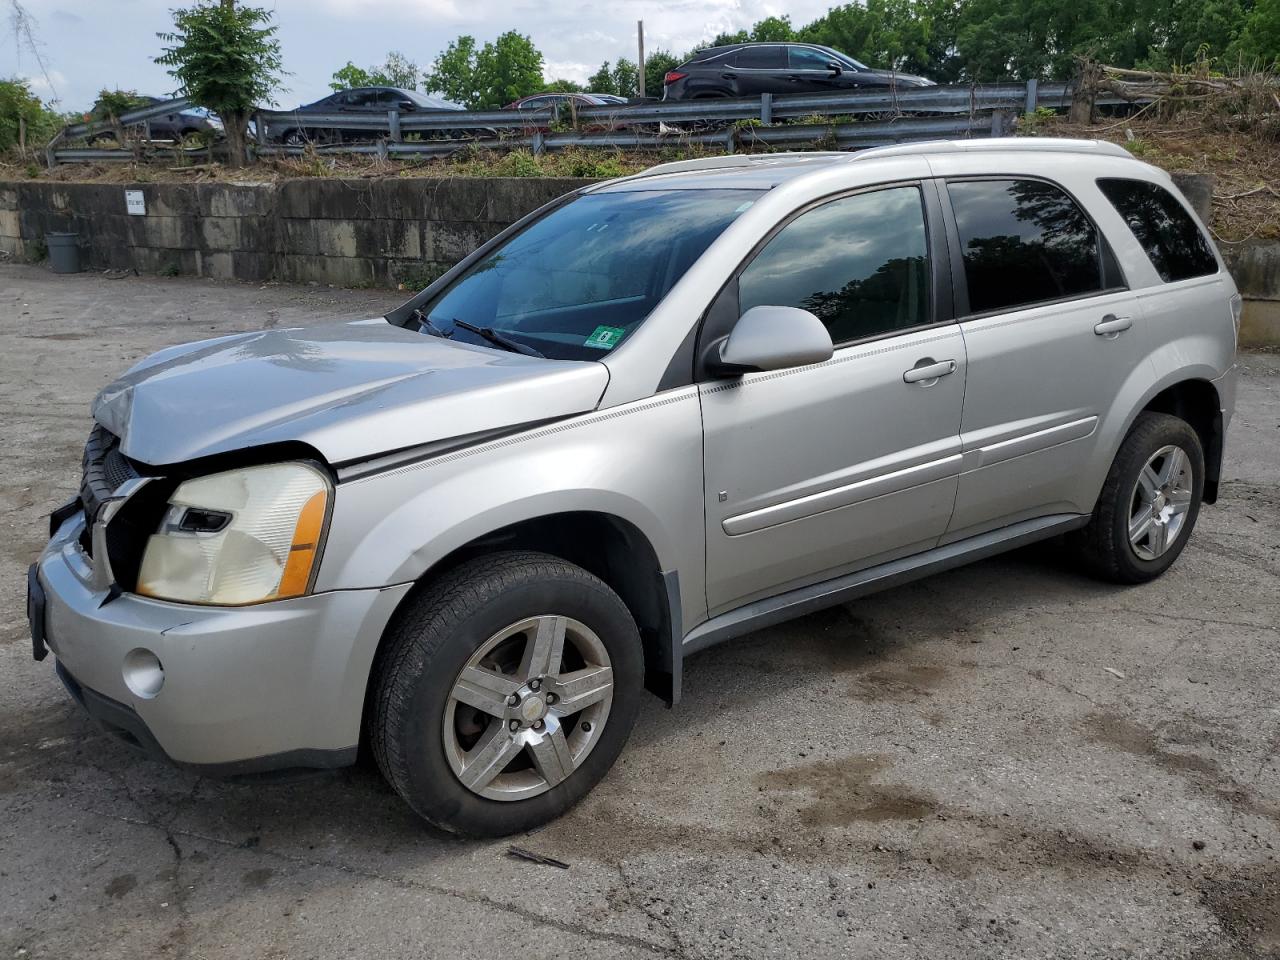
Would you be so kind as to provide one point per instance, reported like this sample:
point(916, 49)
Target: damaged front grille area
point(106, 469)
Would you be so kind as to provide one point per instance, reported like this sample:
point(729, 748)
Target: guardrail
point(887, 116)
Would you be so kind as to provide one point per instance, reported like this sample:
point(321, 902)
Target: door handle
point(1112, 326)
point(927, 372)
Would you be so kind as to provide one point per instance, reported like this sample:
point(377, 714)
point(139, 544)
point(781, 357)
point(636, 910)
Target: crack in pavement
point(475, 899)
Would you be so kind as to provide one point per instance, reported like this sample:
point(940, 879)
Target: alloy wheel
point(1160, 503)
point(528, 707)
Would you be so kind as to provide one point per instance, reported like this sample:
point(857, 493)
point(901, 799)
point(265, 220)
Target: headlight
point(245, 536)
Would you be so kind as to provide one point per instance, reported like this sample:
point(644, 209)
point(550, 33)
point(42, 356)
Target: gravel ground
point(1008, 760)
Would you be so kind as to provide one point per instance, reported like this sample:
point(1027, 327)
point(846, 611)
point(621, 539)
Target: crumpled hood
point(350, 390)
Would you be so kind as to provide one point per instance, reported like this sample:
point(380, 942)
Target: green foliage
point(112, 103)
point(396, 71)
point(773, 30)
point(18, 106)
point(1258, 43)
point(420, 276)
point(225, 58)
point(1033, 124)
point(621, 79)
point(489, 77)
point(37, 250)
point(656, 65)
point(991, 40)
point(348, 76)
point(563, 86)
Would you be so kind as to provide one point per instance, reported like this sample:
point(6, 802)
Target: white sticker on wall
point(134, 203)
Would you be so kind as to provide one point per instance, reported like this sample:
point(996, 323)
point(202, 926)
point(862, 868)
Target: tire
point(426, 740)
point(1150, 450)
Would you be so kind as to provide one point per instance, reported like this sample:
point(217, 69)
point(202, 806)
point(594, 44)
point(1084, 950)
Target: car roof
point(765, 171)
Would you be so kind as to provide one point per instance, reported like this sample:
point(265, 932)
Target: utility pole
point(640, 61)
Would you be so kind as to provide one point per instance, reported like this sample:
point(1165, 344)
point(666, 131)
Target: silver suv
point(653, 415)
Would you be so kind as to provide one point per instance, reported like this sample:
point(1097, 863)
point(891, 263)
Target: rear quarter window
point(1170, 236)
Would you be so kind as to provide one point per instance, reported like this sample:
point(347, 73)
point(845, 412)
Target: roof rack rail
point(739, 160)
point(996, 144)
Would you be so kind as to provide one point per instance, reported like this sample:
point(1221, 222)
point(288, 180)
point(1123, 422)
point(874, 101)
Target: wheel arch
point(607, 546)
point(1196, 401)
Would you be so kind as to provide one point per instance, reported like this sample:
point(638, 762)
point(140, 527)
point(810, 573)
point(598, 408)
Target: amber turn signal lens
point(302, 553)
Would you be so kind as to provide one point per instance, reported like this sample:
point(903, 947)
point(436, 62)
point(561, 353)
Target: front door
point(814, 471)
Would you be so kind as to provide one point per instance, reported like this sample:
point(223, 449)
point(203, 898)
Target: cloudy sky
point(91, 44)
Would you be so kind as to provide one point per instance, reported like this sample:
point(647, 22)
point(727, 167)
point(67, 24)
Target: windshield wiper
point(499, 340)
point(426, 326)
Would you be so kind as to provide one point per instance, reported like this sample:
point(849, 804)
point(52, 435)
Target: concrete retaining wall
point(381, 232)
point(347, 232)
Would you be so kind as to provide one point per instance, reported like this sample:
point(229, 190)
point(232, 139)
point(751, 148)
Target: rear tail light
point(672, 76)
point(1237, 311)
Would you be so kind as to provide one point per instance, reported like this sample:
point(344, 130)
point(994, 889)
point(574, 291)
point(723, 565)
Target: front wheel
point(1149, 503)
point(504, 693)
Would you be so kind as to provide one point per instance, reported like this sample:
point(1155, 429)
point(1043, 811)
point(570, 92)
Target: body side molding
point(803, 600)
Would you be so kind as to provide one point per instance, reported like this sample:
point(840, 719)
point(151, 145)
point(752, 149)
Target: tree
point(626, 78)
point(622, 79)
point(453, 73)
point(227, 59)
point(1259, 41)
point(773, 30)
point(602, 80)
point(344, 78)
point(563, 86)
point(506, 70)
point(501, 71)
point(656, 66)
point(23, 118)
point(396, 71)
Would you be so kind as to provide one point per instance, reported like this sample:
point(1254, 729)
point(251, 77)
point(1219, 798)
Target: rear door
point(761, 69)
point(815, 471)
point(1052, 335)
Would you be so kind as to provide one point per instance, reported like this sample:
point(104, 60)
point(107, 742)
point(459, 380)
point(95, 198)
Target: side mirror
point(407, 106)
point(774, 338)
point(834, 68)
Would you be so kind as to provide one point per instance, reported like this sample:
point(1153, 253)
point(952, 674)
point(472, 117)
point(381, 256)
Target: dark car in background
point(176, 126)
point(750, 69)
point(358, 102)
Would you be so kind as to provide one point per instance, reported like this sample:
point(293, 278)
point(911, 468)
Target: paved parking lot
point(1004, 761)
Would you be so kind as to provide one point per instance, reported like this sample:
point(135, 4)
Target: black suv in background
point(360, 101)
point(750, 69)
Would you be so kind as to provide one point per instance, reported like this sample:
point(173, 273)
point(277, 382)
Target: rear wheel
point(505, 692)
point(1149, 503)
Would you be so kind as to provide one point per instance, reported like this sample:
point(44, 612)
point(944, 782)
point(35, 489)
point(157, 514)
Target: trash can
point(64, 253)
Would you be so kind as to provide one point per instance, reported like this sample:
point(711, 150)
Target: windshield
point(429, 102)
point(576, 283)
point(856, 64)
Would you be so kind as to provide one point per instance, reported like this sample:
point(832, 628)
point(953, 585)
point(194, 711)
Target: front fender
point(641, 462)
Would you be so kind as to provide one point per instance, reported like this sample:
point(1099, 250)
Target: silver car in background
point(656, 414)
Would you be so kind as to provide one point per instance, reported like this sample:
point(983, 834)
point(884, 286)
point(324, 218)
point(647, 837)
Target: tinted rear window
point(761, 58)
point(1173, 241)
point(1024, 242)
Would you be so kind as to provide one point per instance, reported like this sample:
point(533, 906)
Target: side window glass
point(1177, 247)
point(761, 58)
point(1023, 242)
point(804, 58)
point(860, 264)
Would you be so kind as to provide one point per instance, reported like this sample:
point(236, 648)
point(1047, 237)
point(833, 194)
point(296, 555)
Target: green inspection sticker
point(604, 338)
